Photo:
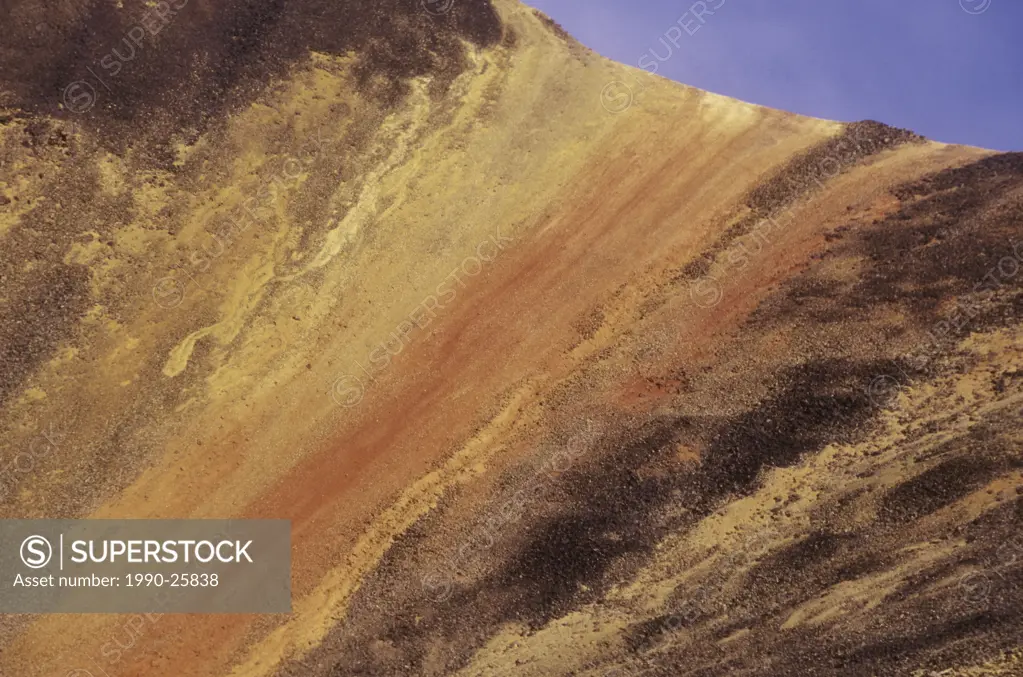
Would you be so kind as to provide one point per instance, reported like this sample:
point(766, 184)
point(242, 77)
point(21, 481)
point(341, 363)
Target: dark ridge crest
point(154, 75)
point(803, 174)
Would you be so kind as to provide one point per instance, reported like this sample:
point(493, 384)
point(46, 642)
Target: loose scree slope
point(557, 367)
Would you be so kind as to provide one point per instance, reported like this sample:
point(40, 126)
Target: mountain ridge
point(379, 288)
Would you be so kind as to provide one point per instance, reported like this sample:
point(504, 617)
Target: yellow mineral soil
point(378, 317)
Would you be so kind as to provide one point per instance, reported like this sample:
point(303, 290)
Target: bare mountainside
point(557, 368)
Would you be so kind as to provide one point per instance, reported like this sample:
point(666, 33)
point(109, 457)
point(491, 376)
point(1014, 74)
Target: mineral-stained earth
point(556, 367)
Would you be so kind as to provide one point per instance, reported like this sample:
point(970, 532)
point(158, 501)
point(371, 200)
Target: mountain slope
point(556, 367)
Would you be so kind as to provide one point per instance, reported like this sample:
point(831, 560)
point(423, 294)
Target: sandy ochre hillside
point(557, 368)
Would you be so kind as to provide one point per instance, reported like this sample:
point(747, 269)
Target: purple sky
point(928, 65)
